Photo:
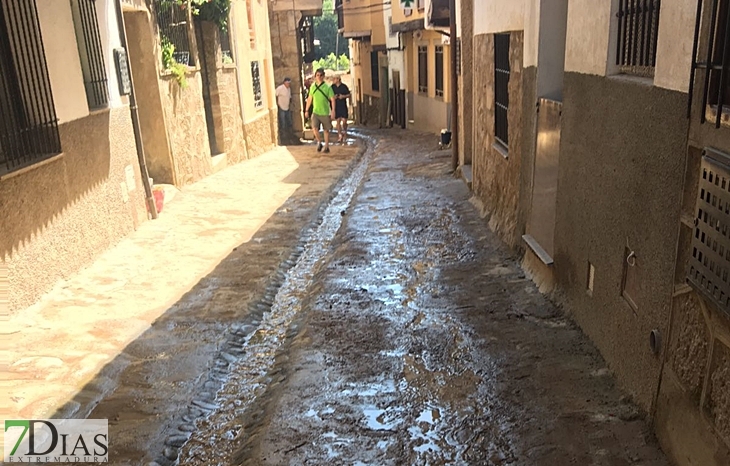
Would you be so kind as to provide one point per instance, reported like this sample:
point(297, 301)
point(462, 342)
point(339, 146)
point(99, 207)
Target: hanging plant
point(170, 64)
point(215, 11)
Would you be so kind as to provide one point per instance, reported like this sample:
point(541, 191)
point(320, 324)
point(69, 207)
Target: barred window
point(174, 27)
point(28, 123)
point(374, 71)
point(638, 25)
point(423, 69)
point(256, 76)
point(501, 88)
point(440, 70)
point(227, 54)
point(90, 52)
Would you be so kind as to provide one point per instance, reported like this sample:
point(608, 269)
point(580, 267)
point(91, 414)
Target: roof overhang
point(357, 34)
point(408, 26)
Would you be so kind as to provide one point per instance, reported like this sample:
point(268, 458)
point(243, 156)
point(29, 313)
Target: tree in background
point(325, 30)
point(330, 62)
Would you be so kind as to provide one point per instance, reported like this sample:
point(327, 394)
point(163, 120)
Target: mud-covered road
point(404, 333)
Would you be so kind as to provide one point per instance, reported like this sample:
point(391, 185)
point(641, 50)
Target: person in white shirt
point(283, 101)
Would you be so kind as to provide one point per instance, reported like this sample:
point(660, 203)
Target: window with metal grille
point(501, 88)
point(225, 37)
point(638, 26)
point(256, 76)
point(90, 52)
point(174, 26)
point(375, 71)
point(439, 70)
point(423, 69)
point(715, 58)
point(28, 123)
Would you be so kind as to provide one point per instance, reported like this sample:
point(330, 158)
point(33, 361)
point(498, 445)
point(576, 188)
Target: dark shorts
point(341, 113)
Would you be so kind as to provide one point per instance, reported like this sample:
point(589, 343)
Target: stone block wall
point(286, 57)
point(693, 406)
point(186, 128)
point(258, 135)
point(466, 83)
point(496, 177)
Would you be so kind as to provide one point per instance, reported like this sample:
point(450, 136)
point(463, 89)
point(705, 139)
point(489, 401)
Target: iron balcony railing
point(28, 123)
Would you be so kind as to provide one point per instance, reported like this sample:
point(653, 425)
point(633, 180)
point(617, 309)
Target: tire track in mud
point(250, 363)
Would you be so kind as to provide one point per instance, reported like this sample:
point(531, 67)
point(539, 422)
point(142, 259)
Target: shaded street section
point(417, 340)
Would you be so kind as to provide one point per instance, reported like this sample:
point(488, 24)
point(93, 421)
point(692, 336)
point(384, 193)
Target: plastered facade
point(57, 216)
point(427, 111)
point(496, 177)
point(499, 16)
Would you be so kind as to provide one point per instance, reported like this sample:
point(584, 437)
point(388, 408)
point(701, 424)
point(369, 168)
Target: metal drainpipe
point(149, 198)
point(454, 88)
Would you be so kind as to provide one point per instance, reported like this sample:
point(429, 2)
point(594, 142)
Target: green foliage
point(170, 64)
point(216, 11)
point(331, 62)
point(325, 30)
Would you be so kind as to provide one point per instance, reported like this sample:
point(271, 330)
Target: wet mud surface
point(404, 333)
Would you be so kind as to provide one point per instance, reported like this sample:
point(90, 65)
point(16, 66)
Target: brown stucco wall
point(143, 58)
point(621, 170)
point(497, 182)
point(286, 57)
point(466, 83)
point(369, 111)
point(186, 128)
point(529, 144)
point(57, 217)
point(258, 135)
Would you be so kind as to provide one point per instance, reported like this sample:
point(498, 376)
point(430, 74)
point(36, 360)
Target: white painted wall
point(109, 32)
point(391, 41)
point(532, 32)
point(397, 62)
point(674, 47)
point(493, 16)
point(62, 57)
point(588, 34)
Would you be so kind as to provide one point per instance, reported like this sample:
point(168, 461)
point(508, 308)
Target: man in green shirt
point(322, 101)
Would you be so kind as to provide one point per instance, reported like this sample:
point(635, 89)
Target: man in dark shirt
point(342, 93)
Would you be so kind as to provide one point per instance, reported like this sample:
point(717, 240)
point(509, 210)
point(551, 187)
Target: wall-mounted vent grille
point(709, 268)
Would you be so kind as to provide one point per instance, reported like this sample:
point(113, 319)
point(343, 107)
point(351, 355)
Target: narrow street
point(398, 332)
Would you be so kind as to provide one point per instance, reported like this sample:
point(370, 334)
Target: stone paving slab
point(58, 345)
